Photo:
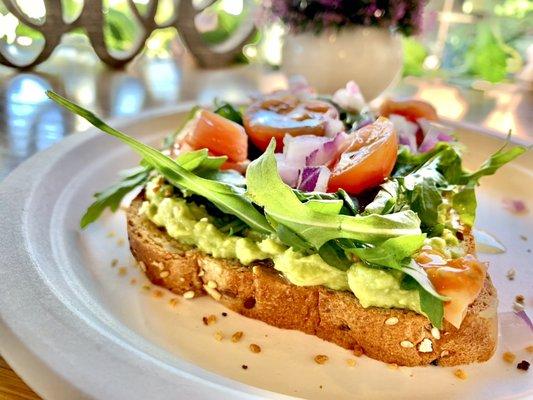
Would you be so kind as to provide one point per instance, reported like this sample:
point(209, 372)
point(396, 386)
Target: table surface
point(29, 122)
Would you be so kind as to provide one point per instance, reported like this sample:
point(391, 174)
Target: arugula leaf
point(431, 306)
point(425, 200)
point(493, 163)
point(224, 196)
point(113, 195)
point(385, 200)
point(332, 207)
point(335, 256)
point(391, 252)
point(465, 203)
point(226, 110)
point(266, 189)
point(349, 206)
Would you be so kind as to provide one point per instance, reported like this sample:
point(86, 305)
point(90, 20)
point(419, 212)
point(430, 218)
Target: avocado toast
point(345, 233)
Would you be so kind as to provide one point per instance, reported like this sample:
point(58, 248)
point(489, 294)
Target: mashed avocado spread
point(191, 224)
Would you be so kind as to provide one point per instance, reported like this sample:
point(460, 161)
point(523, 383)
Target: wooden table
point(30, 123)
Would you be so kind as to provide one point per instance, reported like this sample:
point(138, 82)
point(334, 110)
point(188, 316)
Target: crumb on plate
point(508, 357)
point(461, 374)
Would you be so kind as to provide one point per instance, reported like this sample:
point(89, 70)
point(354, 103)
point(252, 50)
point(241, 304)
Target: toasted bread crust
point(259, 292)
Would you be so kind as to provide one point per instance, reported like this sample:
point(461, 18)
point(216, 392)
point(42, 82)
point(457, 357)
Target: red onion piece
point(287, 172)
point(314, 179)
point(328, 151)
point(406, 131)
point(350, 97)
point(296, 149)
point(433, 133)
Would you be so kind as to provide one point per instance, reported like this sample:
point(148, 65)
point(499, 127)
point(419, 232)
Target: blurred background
point(469, 58)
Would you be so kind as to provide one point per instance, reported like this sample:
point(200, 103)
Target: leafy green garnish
point(431, 306)
point(282, 206)
point(224, 196)
point(113, 195)
point(227, 111)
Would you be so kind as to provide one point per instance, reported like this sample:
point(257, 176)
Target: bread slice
point(259, 292)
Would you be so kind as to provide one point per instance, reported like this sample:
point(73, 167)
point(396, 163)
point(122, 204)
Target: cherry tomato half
point(368, 161)
point(282, 113)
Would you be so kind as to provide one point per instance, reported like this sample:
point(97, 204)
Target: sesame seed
point(213, 292)
point(519, 299)
point(435, 332)
point(201, 273)
point(393, 366)
point(114, 262)
point(508, 357)
point(244, 366)
point(142, 265)
point(255, 348)
point(224, 314)
point(236, 336)
point(212, 284)
point(122, 271)
point(460, 374)
point(425, 346)
point(219, 336)
point(511, 274)
point(210, 320)
point(321, 359)
point(351, 362)
point(173, 301)
point(444, 353)
point(188, 294)
point(164, 274)
point(358, 351)
point(391, 321)
point(407, 344)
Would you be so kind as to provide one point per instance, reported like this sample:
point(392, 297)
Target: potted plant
point(331, 42)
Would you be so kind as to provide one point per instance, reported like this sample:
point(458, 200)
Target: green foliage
point(414, 54)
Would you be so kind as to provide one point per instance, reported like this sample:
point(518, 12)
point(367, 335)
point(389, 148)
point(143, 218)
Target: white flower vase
point(370, 56)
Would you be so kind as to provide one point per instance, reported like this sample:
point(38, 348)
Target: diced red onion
point(406, 131)
point(314, 179)
point(328, 151)
point(516, 206)
point(288, 173)
point(433, 133)
point(297, 148)
point(350, 97)
point(299, 87)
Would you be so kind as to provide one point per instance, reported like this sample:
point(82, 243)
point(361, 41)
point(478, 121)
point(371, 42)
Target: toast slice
point(396, 336)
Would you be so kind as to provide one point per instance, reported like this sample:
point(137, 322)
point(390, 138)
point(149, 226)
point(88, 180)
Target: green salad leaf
point(113, 195)
point(431, 306)
point(224, 196)
point(266, 189)
point(227, 111)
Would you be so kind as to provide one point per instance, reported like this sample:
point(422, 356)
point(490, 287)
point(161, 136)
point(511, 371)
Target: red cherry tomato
point(281, 113)
point(368, 161)
point(410, 109)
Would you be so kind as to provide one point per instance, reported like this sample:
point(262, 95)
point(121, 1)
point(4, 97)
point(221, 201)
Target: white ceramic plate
point(75, 327)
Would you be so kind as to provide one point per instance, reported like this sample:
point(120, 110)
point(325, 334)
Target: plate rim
point(10, 341)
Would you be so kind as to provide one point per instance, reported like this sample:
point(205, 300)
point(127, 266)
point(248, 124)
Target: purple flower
point(404, 16)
